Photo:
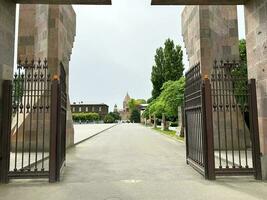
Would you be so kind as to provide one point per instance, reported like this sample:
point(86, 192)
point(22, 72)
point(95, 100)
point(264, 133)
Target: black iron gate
point(199, 141)
point(58, 134)
point(222, 122)
point(29, 123)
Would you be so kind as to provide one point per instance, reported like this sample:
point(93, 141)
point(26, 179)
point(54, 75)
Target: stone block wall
point(7, 36)
point(210, 33)
point(48, 31)
point(256, 36)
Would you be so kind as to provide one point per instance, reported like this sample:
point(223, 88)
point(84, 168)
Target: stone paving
point(132, 162)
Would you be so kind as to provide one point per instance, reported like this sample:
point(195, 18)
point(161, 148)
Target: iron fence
point(221, 122)
point(31, 140)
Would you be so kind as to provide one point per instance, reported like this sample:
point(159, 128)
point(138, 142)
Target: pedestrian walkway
point(132, 162)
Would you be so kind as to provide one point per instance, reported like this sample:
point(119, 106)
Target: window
point(86, 109)
point(100, 109)
point(93, 109)
point(80, 109)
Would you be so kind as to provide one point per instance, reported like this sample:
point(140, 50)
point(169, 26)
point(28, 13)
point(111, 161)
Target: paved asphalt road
point(130, 162)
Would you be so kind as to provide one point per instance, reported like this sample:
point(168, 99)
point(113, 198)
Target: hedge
point(85, 117)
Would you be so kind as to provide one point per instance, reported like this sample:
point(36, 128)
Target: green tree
point(108, 119)
point(115, 115)
point(135, 116)
point(135, 103)
point(168, 66)
point(241, 72)
point(171, 97)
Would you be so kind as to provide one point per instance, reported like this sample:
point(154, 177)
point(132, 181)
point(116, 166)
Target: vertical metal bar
point(31, 113)
point(37, 113)
point(24, 116)
point(255, 129)
point(186, 135)
point(231, 102)
point(208, 143)
point(223, 76)
point(217, 86)
point(200, 137)
point(237, 128)
point(244, 94)
point(17, 99)
point(46, 95)
point(5, 131)
point(53, 131)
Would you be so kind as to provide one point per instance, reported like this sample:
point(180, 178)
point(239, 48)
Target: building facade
point(101, 109)
point(125, 112)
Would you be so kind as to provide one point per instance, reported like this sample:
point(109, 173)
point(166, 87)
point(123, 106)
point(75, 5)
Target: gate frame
point(208, 142)
point(5, 131)
point(207, 168)
point(57, 151)
point(56, 162)
point(254, 124)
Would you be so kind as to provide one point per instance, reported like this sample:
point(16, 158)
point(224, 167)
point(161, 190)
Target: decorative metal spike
point(45, 66)
point(47, 108)
point(26, 61)
point(21, 108)
point(19, 65)
point(28, 107)
point(32, 64)
point(39, 65)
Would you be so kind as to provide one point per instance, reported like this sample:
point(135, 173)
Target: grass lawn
point(170, 133)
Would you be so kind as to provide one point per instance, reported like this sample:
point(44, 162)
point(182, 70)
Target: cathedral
point(125, 112)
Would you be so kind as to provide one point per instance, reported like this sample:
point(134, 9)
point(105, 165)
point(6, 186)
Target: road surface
point(132, 162)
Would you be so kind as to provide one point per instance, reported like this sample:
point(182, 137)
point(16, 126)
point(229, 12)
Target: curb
point(173, 138)
point(91, 136)
point(70, 147)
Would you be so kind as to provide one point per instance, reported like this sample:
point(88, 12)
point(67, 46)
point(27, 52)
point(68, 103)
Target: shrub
point(174, 124)
point(83, 117)
point(108, 119)
point(115, 115)
point(135, 116)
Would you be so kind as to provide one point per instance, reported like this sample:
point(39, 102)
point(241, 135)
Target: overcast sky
point(114, 49)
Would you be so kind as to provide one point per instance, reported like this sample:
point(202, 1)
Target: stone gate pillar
point(7, 39)
point(209, 33)
point(256, 36)
point(48, 31)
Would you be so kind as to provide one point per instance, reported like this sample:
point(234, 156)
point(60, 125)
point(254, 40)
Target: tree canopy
point(170, 98)
point(135, 103)
point(135, 116)
point(241, 72)
point(168, 66)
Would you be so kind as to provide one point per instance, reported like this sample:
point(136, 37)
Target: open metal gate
point(30, 123)
point(222, 122)
point(58, 132)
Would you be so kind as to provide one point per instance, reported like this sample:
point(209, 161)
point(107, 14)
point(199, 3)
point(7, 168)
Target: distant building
point(115, 110)
point(101, 109)
point(125, 112)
